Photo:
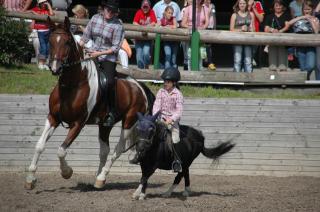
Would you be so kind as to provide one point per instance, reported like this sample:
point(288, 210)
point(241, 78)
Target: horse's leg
point(187, 189)
point(120, 147)
point(140, 192)
point(104, 133)
point(49, 128)
point(176, 182)
point(66, 171)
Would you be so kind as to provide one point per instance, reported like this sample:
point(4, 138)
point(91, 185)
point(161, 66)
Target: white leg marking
point(187, 191)
point(170, 190)
point(137, 193)
point(40, 146)
point(58, 38)
point(65, 169)
point(104, 152)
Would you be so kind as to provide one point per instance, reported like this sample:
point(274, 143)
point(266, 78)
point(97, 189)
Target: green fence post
point(195, 50)
point(156, 55)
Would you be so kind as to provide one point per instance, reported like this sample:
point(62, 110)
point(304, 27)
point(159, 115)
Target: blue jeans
point(143, 53)
point(170, 51)
point(307, 58)
point(238, 51)
point(44, 44)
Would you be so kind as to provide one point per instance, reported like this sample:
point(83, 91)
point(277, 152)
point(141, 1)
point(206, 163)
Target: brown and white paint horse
point(77, 100)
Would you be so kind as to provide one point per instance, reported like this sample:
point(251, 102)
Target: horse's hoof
point(29, 185)
point(67, 174)
point(186, 193)
point(142, 196)
point(99, 183)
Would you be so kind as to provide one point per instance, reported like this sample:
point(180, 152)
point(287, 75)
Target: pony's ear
point(140, 116)
point(67, 24)
point(155, 116)
point(51, 24)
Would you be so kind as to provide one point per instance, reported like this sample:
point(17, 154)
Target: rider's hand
point(94, 54)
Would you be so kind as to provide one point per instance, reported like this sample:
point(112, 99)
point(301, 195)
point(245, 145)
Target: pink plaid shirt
point(170, 104)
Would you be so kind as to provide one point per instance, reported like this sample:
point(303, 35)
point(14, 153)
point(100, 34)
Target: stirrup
point(110, 121)
point(176, 166)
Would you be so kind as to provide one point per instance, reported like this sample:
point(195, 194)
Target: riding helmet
point(171, 74)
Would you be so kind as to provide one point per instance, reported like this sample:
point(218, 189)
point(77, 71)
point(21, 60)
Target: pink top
point(200, 16)
point(170, 104)
point(167, 22)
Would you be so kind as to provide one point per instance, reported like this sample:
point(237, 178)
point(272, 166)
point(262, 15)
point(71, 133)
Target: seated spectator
point(275, 23)
point(185, 45)
point(170, 47)
point(211, 26)
point(13, 5)
point(161, 5)
point(242, 21)
point(306, 24)
point(144, 17)
point(201, 23)
point(43, 8)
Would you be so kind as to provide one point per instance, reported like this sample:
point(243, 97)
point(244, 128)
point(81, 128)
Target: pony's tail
point(216, 152)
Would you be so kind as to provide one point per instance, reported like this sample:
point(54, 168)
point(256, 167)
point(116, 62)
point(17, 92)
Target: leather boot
point(135, 160)
point(111, 117)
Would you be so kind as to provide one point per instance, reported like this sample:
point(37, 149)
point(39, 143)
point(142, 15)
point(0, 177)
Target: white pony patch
point(93, 84)
point(142, 90)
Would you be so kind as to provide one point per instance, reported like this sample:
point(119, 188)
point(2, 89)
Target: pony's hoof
point(67, 173)
point(29, 185)
point(99, 183)
point(142, 196)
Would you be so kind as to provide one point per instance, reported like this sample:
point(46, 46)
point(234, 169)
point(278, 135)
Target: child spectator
point(306, 24)
point(124, 54)
point(185, 45)
point(201, 23)
point(275, 23)
point(79, 12)
point(161, 5)
point(170, 47)
point(211, 26)
point(242, 21)
point(43, 8)
point(144, 17)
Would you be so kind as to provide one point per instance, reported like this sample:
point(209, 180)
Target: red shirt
point(260, 10)
point(166, 22)
point(40, 25)
point(144, 19)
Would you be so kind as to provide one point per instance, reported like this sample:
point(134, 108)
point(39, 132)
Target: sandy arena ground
point(210, 193)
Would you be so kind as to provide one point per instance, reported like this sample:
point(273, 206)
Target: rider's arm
point(176, 115)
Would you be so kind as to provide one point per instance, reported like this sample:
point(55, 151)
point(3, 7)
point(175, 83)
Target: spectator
point(306, 24)
point(256, 8)
point(80, 12)
point(13, 5)
point(161, 5)
point(144, 17)
point(275, 23)
point(201, 23)
point(43, 8)
point(185, 45)
point(296, 8)
point(317, 14)
point(170, 47)
point(107, 33)
point(60, 7)
point(242, 21)
point(211, 26)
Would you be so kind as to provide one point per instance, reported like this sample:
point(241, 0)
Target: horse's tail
point(216, 152)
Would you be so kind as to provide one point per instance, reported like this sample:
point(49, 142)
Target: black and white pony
point(153, 152)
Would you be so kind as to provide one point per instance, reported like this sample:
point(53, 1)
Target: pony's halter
point(148, 140)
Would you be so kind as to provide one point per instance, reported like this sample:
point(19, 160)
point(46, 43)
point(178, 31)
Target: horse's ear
point(67, 24)
point(155, 116)
point(140, 116)
point(51, 24)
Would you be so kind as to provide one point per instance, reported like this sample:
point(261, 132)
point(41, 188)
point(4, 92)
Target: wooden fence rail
point(273, 137)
